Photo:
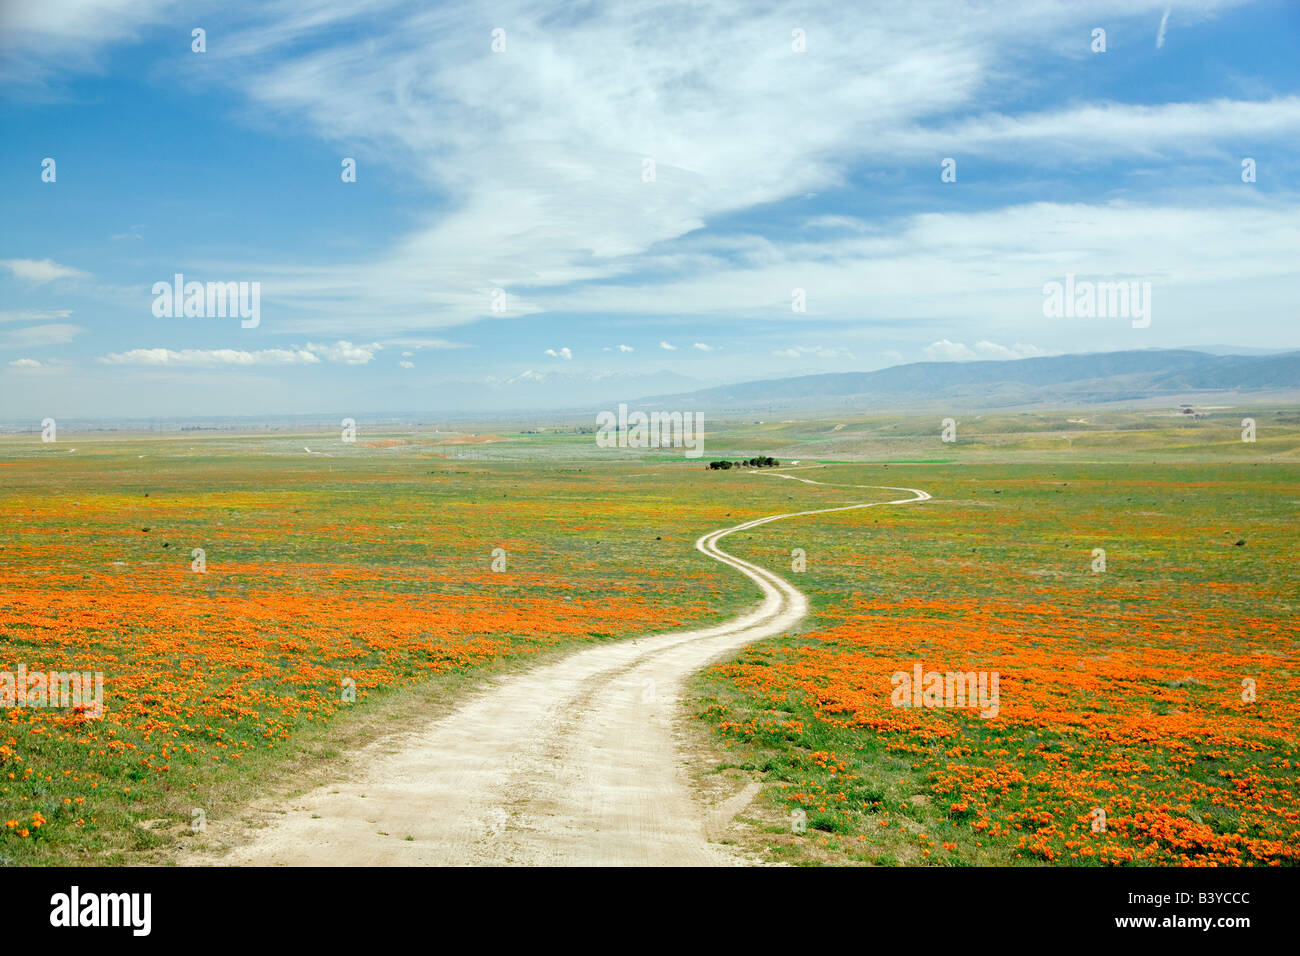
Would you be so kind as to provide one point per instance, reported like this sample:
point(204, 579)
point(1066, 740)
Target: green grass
point(1020, 502)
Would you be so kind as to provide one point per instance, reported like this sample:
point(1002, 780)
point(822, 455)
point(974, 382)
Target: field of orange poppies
point(327, 583)
point(1147, 711)
point(1148, 706)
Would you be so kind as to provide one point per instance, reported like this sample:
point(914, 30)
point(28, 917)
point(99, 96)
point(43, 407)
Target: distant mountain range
point(1090, 378)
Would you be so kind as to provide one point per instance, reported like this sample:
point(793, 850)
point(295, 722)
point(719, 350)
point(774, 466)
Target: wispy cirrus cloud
point(422, 342)
point(548, 138)
point(523, 171)
point(39, 41)
point(209, 358)
point(946, 351)
point(52, 333)
point(34, 315)
point(344, 352)
point(41, 270)
point(986, 265)
point(313, 353)
point(813, 351)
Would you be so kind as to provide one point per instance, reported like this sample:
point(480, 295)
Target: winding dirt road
point(571, 763)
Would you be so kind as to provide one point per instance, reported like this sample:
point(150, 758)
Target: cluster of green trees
point(760, 462)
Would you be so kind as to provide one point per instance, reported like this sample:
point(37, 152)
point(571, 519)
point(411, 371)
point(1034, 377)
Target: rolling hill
point(1069, 379)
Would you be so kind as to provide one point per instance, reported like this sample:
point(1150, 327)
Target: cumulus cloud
point(667, 346)
point(563, 353)
point(1017, 351)
point(25, 363)
point(405, 364)
point(946, 351)
point(703, 348)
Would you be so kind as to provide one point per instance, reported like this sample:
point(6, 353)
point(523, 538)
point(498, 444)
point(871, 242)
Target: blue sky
point(522, 170)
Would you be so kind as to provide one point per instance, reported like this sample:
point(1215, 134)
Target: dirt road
point(569, 763)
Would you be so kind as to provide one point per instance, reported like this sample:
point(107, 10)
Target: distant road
point(569, 763)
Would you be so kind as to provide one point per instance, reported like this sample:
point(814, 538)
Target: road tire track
point(570, 763)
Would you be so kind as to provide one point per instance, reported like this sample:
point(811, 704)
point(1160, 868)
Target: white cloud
point(1164, 23)
point(986, 269)
point(422, 342)
point(345, 352)
point(626, 348)
point(25, 363)
point(209, 358)
point(548, 139)
point(1107, 130)
point(816, 351)
point(52, 333)
point(667, 346)
point(563, 353)
point(836, 222)
point(1018, 351)
point(946, 351)
point(35, 38)
point(406, 365)
point(33, 315)
point(41, 270)
point(703, 348)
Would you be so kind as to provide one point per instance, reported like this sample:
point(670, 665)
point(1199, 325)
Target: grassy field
point(371, 565)
point(368, 568)
point(1122, 734)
